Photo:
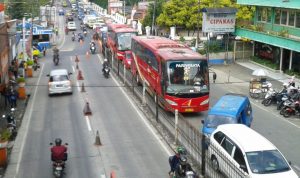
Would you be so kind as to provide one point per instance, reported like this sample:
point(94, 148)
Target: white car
point(71, 25)
point(236, 149)
point(59, 82)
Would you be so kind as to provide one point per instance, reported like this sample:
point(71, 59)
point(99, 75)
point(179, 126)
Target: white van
point(237, 147)
point(86, 18)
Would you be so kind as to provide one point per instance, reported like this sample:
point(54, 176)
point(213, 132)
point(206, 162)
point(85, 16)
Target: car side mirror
point(290, 163)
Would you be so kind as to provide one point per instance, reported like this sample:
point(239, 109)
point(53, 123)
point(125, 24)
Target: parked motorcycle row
point(11, 123)
point(287, 100)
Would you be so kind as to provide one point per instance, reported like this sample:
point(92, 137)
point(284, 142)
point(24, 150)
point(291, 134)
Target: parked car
point(59, 82)
point(237, 148)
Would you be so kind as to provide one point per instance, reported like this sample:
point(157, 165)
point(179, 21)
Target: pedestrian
point(56, 30)
point(6, 94)
point(214, 77)
point(13, 98)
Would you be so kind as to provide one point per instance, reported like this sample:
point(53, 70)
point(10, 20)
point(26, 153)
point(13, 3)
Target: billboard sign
point(222, 21)
point(116, 4)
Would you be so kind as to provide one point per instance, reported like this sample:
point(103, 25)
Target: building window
point(284, 14)
point(264, 15)
point(269, 14)
point(277, 16)
point(298, 19)
point(259, 14)
point(292, 18)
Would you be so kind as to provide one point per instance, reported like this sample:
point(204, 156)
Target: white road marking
point(88, 123)
point(28, 123)
point(146, 122)
point(77, 84)
point(73, 68)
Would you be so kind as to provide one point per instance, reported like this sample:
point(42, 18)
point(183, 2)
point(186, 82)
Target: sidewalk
point(19, 114)
point(242, 72)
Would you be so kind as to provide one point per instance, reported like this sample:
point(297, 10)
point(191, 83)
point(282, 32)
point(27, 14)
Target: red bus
point(119, 40)
point(173, 71)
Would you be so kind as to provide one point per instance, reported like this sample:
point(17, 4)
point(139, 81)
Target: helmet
point(285, 84)
point(269, 85)
point(180, 150)
point(105, 60)
point(58, 142)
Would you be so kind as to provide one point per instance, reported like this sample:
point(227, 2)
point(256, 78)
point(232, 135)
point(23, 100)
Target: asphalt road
point(130, 147)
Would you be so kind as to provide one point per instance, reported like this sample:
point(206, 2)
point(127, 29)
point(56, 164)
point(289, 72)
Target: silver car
point(59, 82)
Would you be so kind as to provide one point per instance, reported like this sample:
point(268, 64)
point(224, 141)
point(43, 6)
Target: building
point(4, 49)
point(275, 32)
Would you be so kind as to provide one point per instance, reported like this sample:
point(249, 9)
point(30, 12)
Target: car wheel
point(214, 163)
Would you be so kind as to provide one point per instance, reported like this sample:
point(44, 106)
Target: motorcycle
point(58, 166)
point(85, 33)
point(36, 65)
point(93, 49)
point(11, 123)
point(106, 71)
point(55, 59)
point(292, 109)
point(73, 38)
point(269, 97)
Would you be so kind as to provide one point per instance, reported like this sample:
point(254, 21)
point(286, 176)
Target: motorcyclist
point(73, 36)
point(174, 160)
point(182, 167)
point(84, 31)
point(105, 64)
point(59, 152)
point(80, 37)
point(55, 53)
point(66, 30)
point(92, 44)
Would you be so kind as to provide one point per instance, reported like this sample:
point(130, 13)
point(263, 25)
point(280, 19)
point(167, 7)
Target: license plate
point(189, 110)
point(59, 85)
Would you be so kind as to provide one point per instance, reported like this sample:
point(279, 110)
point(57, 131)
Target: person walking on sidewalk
point(13, 98)
point(6, 94)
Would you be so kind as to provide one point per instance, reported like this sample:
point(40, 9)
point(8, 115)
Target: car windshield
point(267, 161)
point(58, 78)
point(187, 77)
point(124, 40)
point(212, 121)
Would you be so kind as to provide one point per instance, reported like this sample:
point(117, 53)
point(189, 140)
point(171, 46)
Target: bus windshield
point(124, 40)
point(187, 77)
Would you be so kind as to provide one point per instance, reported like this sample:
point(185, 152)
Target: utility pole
point(153, 18)
point(198, 30)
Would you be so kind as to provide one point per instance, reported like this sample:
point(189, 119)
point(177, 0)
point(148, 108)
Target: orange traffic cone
point(112, 174)
point(79, 76)
point(97, 140)
point(76, 59)
point(87, 55)
point(82, 87)
point(87, 110)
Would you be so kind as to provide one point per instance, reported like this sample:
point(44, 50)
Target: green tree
point(101, 3)
point(147, 21)
point(15, 8)
point(184, 13)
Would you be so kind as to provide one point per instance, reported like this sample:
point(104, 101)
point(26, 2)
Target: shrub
point(20, 79)
point(30, 62)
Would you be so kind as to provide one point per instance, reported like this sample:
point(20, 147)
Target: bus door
point(152, 69)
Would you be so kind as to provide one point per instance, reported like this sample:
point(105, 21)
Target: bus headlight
point(171, 102)
point(204, 102)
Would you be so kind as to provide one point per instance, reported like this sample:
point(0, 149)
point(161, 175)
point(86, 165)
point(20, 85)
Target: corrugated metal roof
point(290, 4)
point(224, 10)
